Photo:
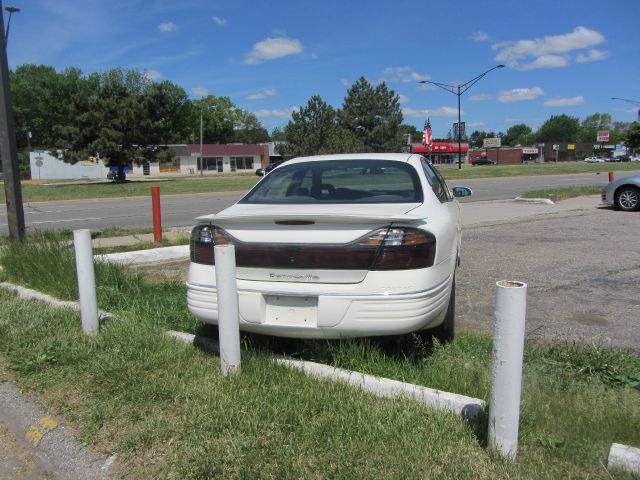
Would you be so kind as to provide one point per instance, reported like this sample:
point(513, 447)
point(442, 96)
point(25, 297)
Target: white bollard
point(506, 371)
point(228, 317)
point(86, 281)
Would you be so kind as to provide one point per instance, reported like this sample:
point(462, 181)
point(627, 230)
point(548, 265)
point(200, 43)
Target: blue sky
point(269, 57)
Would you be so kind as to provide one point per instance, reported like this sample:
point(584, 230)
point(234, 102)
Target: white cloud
point(200, 91)
point(592, 55)
point(519, 94)
point(402, 98)
point(345, 83)
point(438, 112)
point(272, 48)
point(511, 120)
point(476, 125)
point(166, 27)
point(276, 113)
point(546, 61)
point(564, 102)
point(152, 74)
point(546, 52)
point(403, 75)
point(478, 37)
point(267, 92)
point(480, 98)
point(220, 21)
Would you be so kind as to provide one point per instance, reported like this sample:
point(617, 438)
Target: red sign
point(602, 136)
point(439, 147)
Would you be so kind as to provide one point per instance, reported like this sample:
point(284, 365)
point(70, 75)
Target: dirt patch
point(165, 272)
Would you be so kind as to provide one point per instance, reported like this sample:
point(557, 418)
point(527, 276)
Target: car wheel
point(628, 199)
point(446, 331)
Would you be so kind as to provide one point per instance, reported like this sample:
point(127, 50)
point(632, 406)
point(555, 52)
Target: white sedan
point(337, 246)
point(594, 160)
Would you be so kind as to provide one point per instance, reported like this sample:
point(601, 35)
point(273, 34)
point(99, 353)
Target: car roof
point(399, 157)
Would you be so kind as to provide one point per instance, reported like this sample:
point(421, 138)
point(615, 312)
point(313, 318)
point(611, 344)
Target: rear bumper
point(326, 314)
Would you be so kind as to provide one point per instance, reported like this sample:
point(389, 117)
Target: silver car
point(624, 193)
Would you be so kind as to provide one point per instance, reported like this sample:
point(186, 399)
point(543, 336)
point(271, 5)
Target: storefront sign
point(602, 136)
point(571, 146)
point(530, 151)
point(495, 142)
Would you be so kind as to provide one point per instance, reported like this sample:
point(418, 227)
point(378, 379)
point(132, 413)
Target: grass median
point(166, 411)
point(564, 193)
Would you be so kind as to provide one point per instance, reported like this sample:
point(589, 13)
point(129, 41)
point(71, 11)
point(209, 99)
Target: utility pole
point(8, 147)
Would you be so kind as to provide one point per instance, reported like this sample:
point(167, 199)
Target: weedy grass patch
point(564, 193)
point(167, 412)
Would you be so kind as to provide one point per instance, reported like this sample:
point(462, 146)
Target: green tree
point(632, 137)
point(249, 129)
point(219, 116)
point(373, 115)
point(559, 128)
point(120, 116)
point(41, 102)
point(519, 134)
point(170, 112)
point(277, 134)
point(477, 137)
point(314, 130)
point(592, 124)
point(405, 130)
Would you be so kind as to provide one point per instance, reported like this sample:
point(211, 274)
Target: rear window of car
point(339, 181)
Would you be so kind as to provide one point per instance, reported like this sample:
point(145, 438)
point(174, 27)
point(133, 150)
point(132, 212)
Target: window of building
point(243, 163)
point(210, 163)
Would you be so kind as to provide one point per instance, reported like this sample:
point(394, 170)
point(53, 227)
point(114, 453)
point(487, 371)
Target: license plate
point(294, 311)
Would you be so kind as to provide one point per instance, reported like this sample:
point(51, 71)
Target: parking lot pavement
point(582, 269)
point(580, 261)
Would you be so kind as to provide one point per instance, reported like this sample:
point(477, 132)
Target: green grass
point(166, 411)
point(533, 169)
point(141, 246)
point(563, 193)
point(35, 191)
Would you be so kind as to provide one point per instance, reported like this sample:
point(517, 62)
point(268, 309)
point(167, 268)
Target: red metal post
point(157, 218)
point(612, 177)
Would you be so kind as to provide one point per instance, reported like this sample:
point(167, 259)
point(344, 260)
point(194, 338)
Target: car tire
point(628, 199)
point(445, 332)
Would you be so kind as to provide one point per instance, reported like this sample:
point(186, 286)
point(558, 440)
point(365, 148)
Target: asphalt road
point(180, 210)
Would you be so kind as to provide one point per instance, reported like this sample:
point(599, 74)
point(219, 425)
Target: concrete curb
point(55, 448)
point(468, 407)
point(545, 201)
point(27, 293)
point(623, 457)
point(154, 255)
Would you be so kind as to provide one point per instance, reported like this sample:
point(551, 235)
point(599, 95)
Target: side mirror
point(462, 192)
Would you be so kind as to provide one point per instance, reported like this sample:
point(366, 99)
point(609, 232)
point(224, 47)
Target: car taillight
point(388, 248)
point(203, 239)
point(403, 248)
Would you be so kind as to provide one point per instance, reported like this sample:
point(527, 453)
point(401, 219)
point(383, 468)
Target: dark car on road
point(261, 172)
point(483, 161)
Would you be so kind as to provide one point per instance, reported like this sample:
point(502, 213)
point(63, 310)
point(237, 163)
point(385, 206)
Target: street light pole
point(459, 90)
point(9, 148)
point(11, 11)
point(632, 102)
point(201, 156)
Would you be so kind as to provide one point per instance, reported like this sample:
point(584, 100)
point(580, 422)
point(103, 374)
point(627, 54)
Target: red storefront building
point(442, 152)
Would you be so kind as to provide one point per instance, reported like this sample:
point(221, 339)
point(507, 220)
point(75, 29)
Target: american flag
point(426, 134)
